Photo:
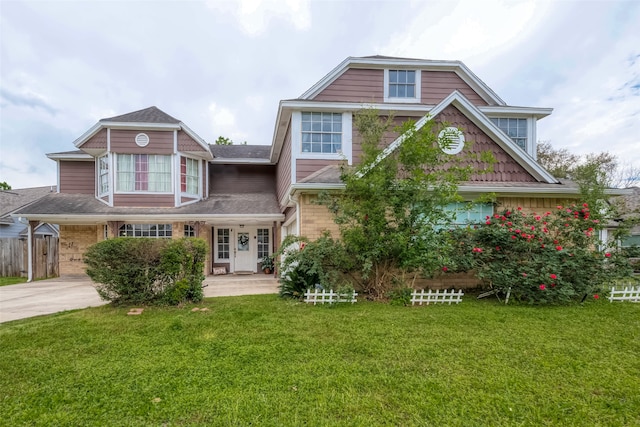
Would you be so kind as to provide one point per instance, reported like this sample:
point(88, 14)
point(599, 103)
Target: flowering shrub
point(551, 257)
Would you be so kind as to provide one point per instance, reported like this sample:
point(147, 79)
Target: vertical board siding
point(232, 179)
point(77, 177)
point(437, 85)
point(355, 85)
point(283, 168)
point(123, 141)
point(98, 140)
point(14, 257)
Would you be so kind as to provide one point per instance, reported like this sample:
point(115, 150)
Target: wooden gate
point(14, 257)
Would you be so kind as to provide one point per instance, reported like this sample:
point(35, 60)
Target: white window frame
point(103, 172)
point(259, 243)
point(312, 115)
point(137, 230)
point(189, 230)
point(530, 145)
point(187, 176)
point(120, 156)
point(296, 141)
point(229, 243)
point(404, 100)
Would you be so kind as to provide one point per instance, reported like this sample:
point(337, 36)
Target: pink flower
point(559, 207)
point(497, 248)
point(445, 269)
point(559, 248)
point(586, 205)
point(513, 237)
point(488, 222)
point(524, 274)
point(542, 287)
point(478, 250)
point(596, 296)
point(519, 208)
point(553, 285)
point(553, 276)
point(608, 255)
point(517, 231)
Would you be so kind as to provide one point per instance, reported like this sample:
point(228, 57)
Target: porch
point(240, 284)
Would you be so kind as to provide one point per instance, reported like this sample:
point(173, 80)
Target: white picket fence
point(321, 296)
point(436, 297)
point(629, 293)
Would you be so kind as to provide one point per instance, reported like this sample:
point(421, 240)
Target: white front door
point(245, 260)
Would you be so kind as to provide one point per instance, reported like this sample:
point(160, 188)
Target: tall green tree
point(394, 202)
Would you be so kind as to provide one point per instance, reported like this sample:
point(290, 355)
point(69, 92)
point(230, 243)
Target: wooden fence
point(14, 257)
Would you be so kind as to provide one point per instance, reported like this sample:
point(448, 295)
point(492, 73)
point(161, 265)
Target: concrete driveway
point(76, 292)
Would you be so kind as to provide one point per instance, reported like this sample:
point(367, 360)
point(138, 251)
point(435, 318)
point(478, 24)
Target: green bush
point(144, 271)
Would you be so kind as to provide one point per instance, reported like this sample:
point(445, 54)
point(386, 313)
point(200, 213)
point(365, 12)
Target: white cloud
point(223, 123)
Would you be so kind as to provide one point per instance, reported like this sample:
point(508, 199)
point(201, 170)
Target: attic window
point(451, 140)
point(142, 140)
point(402, 85)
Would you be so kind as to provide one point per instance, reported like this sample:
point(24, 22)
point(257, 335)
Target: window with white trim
point(103, 175)
point(321, 132)
point(263, 242)
point(189, 180)
point(143, 173)
point(516, 129)
point(223, 243)
point(402, 84)
point(145, 230)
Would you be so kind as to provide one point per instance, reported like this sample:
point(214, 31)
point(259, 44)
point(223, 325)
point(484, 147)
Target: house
point(11, 201)
point(146, 173)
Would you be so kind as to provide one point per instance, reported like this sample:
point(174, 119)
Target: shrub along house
point(146, 173)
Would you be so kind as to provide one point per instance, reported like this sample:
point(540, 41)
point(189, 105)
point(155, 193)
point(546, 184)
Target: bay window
point(143, 173)
point(189, 179)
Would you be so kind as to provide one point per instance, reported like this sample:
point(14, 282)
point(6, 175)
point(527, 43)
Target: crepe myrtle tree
point(395, 201)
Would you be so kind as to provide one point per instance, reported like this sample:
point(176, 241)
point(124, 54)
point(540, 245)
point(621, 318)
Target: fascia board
point(138, 125)
point(240, 161)
point(146, 218)
point(78, 156)
point(327, 79)
point(197, 138)
point(524, 191)
point(88, 134)
point(538, 112)
point(282, 122)
point(311, 187)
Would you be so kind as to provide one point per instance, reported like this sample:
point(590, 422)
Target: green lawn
point(263, 361)
point(12, 280)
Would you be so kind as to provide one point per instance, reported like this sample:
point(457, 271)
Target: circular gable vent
point(451, 140)
point(142, 139)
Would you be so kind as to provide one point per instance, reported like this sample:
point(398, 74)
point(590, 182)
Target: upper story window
point(143, 172)
point(516, 129)
point(321, 132)
point(189, 176)
point(402, 85)
point(146, 230)
point(103, 175)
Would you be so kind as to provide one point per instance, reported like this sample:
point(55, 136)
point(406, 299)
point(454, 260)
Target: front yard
point(263, 361)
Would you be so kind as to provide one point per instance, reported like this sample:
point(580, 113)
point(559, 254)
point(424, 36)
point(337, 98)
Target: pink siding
point(283, 168)
point(123, 141)
point(367, 85)
point(355, 85)
point(186, 143)
point(437, 85)
point(506, 169)
point(77, 177)
point(387, 139)
point(144, 200)
point(98, 140)
point(305, 167)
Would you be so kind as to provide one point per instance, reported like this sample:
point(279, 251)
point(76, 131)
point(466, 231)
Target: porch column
point(30, 245)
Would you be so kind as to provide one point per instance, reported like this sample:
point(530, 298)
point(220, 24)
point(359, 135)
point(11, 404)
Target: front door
point(244, 252)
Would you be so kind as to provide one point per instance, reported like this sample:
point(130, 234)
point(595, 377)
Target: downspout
point(30, 252)
point(297, 203)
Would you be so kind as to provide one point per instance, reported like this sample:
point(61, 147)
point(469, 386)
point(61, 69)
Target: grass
point(263, 361)
point(12, 280)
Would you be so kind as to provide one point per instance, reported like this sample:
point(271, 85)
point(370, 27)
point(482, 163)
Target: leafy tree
point(223, 141)
point(394, 203)
point(4, 186)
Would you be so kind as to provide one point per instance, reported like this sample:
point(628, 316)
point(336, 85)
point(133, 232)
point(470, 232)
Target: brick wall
point(74, 241)
point(315, 218)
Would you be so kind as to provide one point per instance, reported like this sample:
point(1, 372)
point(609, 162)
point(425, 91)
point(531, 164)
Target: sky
point(221, 67)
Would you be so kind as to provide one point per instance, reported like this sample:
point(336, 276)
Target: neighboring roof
point(62, 208)
point(147, 115)
point(43, 229)
point(240, 151)
point(11, 200)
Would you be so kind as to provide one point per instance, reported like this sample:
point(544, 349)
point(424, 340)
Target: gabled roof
point(146, 115)
point(240, 153)
point(470, 111)
point(12, 200)
point(382, 62)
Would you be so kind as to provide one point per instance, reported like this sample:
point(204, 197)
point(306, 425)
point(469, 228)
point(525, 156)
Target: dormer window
point(402, 85)
point(516, 129)
point(321, 132)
